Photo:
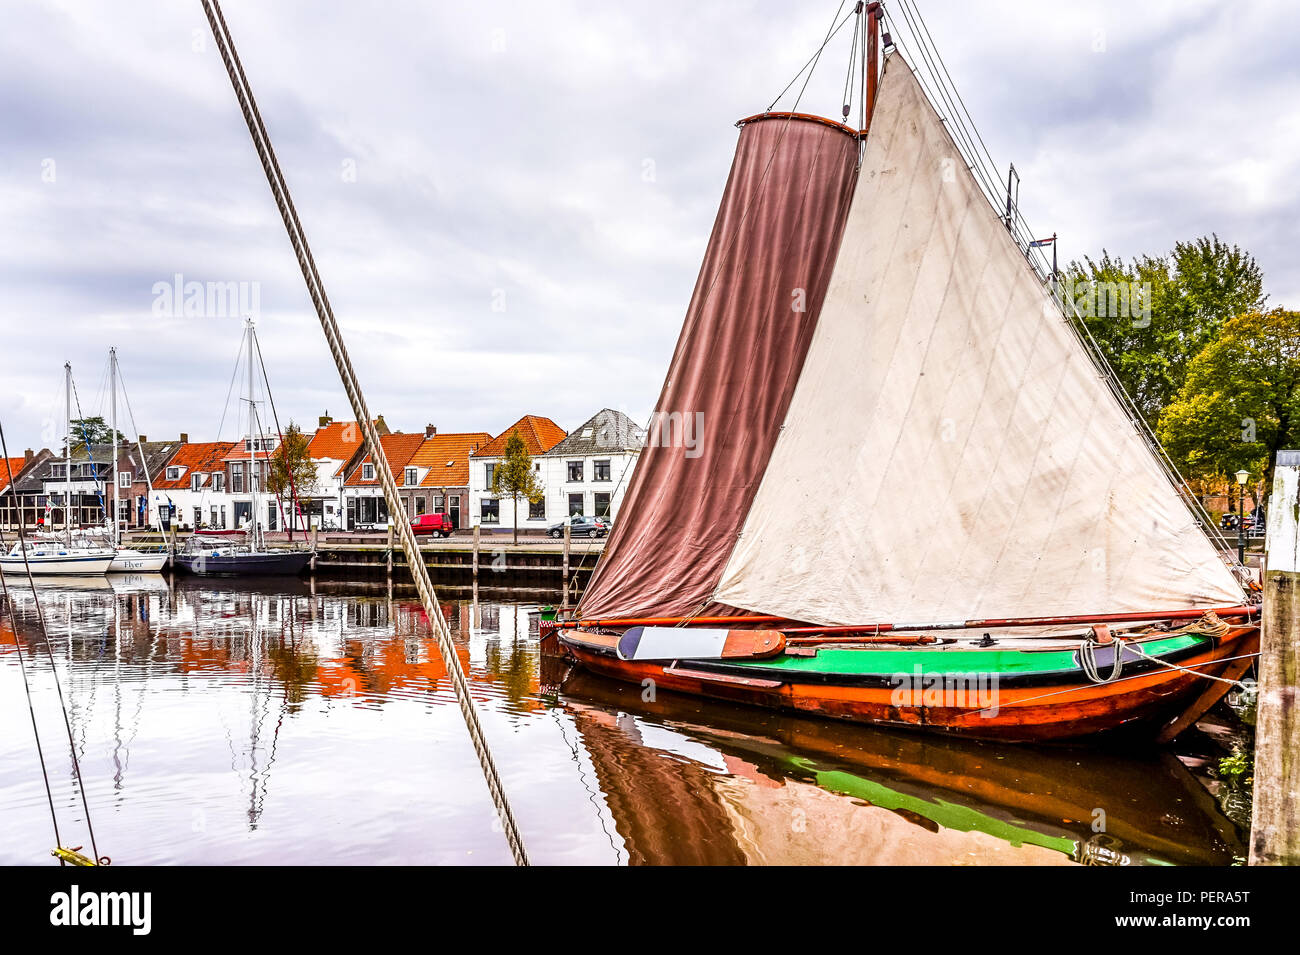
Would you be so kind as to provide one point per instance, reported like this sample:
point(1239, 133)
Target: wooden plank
point(698, 643)
point(1275, 820)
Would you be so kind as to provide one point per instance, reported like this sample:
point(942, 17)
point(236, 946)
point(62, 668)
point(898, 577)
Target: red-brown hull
point(1148, 702)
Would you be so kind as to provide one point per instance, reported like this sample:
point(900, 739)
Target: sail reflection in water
point(273, 722)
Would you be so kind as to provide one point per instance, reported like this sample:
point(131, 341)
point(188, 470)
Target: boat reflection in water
point(254, 721)
point(709, 783)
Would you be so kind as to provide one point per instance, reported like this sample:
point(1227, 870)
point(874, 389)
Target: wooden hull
point(1019, 702)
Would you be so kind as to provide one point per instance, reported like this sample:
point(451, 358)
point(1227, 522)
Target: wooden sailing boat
point(213, 555)
point(867, 353)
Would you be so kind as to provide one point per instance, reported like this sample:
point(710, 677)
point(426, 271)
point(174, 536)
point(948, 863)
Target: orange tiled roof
point(338, 440)
point(539, 434)
point(16, 465)
point(398, 448)
point(447, 458)
point(204, 456)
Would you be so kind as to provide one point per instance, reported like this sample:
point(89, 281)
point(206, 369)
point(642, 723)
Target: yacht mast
point(112, 426)
point(252, 446)
point(67, 450)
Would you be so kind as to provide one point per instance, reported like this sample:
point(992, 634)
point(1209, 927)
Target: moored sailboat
point(224, 555)
point(927, 408)
point(48, 554)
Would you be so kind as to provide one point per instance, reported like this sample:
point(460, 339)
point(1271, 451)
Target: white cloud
point(505, 146)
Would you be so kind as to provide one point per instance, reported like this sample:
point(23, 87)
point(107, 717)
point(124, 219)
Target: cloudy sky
point(508, 202)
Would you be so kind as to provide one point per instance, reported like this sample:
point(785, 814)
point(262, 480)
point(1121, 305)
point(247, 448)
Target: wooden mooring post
point(474, 620)
point(390, 550)
point(564, 578)
point(1275, 821)
point(315, 546)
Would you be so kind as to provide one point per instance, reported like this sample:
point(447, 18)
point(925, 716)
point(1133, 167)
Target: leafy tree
point(514, 477)
point(92, 431)
point(1240, 403)
point(291, 468)
point(1193, 291)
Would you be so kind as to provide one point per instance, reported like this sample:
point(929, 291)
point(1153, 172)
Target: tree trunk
point(516, 528)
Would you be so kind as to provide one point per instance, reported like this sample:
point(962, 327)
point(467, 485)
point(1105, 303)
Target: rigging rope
point(54, 672)
point(329, 325)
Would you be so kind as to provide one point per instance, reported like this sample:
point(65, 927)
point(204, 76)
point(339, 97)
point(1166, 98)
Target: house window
point(223, 516)
point(212, 522)
point(218, 481)
point(419, 506)
point(602, 471)
point(124, 479)
point(412, 477)
point(537, 510)
point(601, 504)
point(196, 481)
point(437, 504)
point(575, 504)
point(173, 474)
point(367, 472)
point(489, 511)
point(237, 477)
point(575, 470)
point(198, 517)
point(490, 471)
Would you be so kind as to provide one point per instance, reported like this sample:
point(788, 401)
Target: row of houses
point(213, 485)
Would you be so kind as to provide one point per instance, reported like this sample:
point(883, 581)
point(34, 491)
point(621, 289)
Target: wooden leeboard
point(699, 643)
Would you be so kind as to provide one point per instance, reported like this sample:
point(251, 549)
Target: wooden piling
point(564, 578)
point(315, 545)
point(475, 620)
point(1275, 821)
point(390, 550)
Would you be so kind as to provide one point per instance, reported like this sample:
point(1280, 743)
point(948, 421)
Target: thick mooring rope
point(316, 289)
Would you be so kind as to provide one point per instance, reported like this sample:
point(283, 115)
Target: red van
point(438, 525)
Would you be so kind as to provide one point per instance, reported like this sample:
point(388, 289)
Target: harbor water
point(286, 722)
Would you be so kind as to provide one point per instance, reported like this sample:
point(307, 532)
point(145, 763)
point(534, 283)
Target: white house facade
point(587, 472)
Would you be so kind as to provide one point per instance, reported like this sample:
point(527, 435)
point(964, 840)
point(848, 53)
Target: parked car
point(581, 526)
point(435, 525)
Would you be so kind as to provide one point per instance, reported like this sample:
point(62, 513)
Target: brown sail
point(737, 360)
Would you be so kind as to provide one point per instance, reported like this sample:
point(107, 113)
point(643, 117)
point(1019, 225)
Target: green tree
point(1183, 299)
point(1240, 403)
point(92, 431)
point(291, 468)
point(514, 477)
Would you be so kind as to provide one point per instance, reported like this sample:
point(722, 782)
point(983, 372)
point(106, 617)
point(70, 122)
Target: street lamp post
point(1242, 478)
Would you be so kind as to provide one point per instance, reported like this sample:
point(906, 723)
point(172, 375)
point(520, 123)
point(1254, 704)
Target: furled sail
point(736, 364)
point(949, 451)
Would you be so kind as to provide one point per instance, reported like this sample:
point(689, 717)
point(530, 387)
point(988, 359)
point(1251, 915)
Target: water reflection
point(278, 721)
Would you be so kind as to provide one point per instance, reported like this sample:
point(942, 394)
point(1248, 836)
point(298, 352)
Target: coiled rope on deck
point(316, 289)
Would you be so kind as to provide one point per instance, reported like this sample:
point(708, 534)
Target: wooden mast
point(874, 14)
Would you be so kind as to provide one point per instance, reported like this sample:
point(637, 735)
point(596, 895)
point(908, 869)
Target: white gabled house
point(585, 472)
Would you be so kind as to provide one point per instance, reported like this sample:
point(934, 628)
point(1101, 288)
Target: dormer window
point(196, 481)
point(412, 477)
point(367, 472)
point(174, 474)
point(218, 481)
point(124, 479)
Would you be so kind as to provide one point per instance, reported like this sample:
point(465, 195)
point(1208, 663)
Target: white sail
point(950, 451)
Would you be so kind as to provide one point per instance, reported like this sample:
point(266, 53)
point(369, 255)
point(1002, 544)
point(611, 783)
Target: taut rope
point(316, 289)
